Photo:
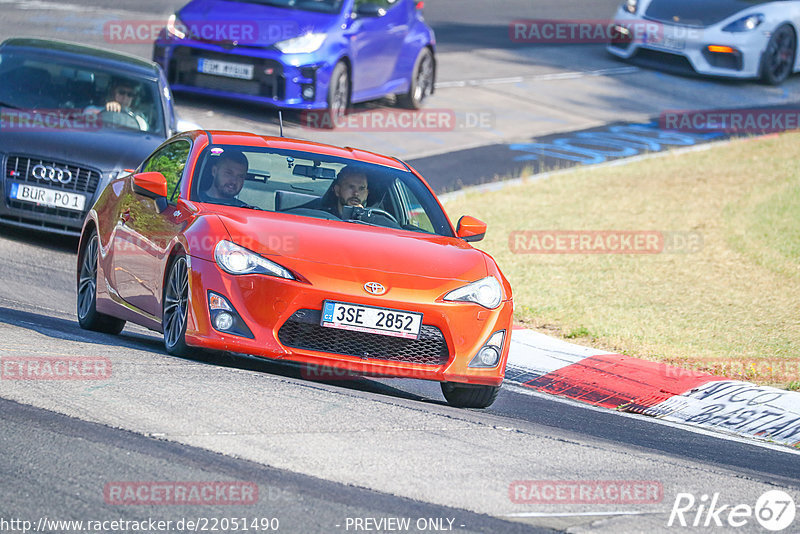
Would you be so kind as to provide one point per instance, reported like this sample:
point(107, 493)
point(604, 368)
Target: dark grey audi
point(73, 118)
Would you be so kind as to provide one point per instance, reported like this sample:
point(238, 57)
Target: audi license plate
point(225, 68)
point(47, 197)
point(370, 319)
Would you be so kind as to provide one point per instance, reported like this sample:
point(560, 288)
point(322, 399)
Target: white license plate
point(370, 319)
point(666, 41)
point(47, 197)
point(225, 68)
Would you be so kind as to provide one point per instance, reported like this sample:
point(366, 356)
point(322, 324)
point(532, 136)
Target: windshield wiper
point(9, 106)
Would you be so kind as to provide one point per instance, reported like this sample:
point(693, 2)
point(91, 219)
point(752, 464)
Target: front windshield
point(323, 6)
point(35, 86)
point(317, 186)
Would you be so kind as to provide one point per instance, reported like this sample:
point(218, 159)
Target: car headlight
point(305, 44)
point(176, 28)
point(234, 259)
point(745, 24)
point(631, 6)
point(487, 292)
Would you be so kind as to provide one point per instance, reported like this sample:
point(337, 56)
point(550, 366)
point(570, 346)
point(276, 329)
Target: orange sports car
point(298, 251)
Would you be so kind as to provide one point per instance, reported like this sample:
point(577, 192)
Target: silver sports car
point(731, 38)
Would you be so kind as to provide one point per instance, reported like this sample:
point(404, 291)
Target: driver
point(351, 188)
point(122, 94)
point(229, 172)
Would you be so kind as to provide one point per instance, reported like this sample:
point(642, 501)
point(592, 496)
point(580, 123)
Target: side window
point(414, 211)
point(170, 161)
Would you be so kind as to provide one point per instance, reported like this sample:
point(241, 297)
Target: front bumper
point(685, 48)
point(275, 82)
point(283, 318)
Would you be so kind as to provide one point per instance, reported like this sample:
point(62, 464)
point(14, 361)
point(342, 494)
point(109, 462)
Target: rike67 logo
point(774, 510)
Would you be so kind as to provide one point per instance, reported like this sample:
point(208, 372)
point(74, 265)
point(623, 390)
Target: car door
point(145, 230)
point(376, 42)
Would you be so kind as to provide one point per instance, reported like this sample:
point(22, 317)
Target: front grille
point(664, 60)
point(19, 169)
point(303, 331)
point(268, 79)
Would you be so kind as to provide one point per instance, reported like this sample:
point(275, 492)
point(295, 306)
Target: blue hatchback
point(300, 54)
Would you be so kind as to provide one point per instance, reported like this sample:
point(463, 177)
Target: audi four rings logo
point(53, 174)
point(375, 288)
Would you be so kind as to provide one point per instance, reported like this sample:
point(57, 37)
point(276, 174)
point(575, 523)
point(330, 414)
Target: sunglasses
point(126, 92)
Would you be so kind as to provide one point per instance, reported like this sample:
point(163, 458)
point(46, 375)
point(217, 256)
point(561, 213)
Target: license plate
point(663, 40)
point(47, 197)
point(371, 319)
point(225, 68)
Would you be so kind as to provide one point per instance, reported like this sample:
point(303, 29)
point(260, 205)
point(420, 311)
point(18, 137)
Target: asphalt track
point(56, 444)
point(610, 142)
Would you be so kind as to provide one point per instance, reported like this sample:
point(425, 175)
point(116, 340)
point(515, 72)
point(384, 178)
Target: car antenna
point(280, 121)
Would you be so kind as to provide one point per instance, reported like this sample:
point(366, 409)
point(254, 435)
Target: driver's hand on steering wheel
point(116, 107)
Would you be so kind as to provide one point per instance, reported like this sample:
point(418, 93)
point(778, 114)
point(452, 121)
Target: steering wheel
point(124, 118)
point(369, 212)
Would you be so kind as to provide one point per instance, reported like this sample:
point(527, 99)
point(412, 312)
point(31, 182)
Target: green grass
point(732, 302)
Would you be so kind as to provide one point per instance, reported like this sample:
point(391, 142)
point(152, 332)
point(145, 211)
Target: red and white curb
point(664, 391)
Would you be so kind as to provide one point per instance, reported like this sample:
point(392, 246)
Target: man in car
point(122, 94)
point(351, 188)
point(228, 172)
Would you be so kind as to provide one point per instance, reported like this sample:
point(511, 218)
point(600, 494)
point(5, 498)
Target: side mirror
point(470, 228)
point(370, 10)
point(150, 184)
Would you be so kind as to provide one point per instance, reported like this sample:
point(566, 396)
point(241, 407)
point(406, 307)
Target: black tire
point(88, 316)
point(338, 95)
point(469, 395)
point(778, 59)
point(422, 81)
point(175, 307)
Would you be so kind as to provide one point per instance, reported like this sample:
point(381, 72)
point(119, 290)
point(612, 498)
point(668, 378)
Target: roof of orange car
point(286, 143)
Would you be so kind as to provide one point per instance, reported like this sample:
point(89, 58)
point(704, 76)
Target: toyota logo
point(53, 174)
point(375, 288)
